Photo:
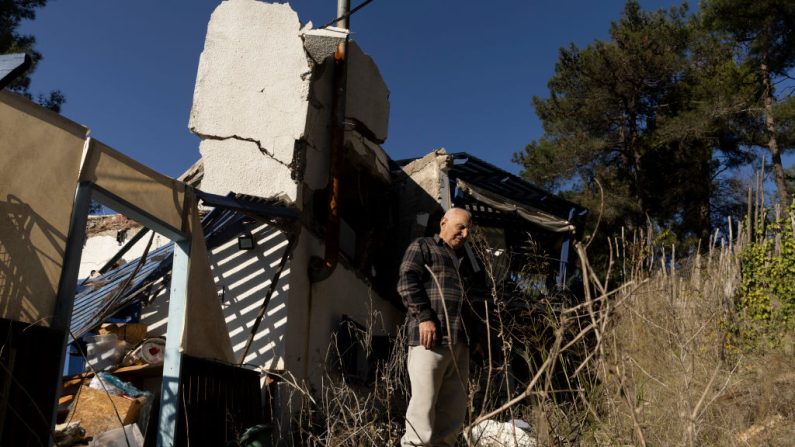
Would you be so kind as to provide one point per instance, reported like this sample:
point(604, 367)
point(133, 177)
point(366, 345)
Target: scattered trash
point(521, 424)
point(119, 437)
point(132, 333)
point(70, 434)
point(114, 385)
point(151, 351)
point(491, 433)
point(99, 412)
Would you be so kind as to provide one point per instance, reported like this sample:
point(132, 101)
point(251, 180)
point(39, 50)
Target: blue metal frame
point(67, 283)
point(169, 399)
point(169, 392)
point(130, 210)
point(565, 249)
point(64, 303)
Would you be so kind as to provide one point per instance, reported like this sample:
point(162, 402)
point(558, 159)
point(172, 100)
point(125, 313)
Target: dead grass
point(639, 362)
point(666, 379)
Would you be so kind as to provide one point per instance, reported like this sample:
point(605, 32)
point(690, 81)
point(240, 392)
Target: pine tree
point(651, 115)
point(763, 33)
point(12, 12)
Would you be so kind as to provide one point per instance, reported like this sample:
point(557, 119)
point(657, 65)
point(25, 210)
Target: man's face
point(455, 228)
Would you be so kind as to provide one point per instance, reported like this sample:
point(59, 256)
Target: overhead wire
point(348, 14)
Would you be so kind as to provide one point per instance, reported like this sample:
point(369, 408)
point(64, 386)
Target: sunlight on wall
point(242, 279)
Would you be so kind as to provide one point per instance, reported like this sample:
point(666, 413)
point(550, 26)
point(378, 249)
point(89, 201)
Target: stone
point(372, 154)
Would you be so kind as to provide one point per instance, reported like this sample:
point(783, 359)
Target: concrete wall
point(262, 107)
point(425, 194)
point(101, 248)
point(315, 310)
point(250, 98)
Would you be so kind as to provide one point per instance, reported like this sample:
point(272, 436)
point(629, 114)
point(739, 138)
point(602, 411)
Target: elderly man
point(434, 278)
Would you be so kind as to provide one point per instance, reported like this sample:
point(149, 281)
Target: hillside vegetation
point(673, 350)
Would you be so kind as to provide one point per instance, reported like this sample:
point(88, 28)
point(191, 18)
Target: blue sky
point(461, 73)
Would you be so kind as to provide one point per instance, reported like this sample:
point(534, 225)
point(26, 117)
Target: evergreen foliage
point(763, 35)
point(12, 12)
point(657, 115)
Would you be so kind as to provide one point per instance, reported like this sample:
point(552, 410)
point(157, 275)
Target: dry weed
point(639, 362)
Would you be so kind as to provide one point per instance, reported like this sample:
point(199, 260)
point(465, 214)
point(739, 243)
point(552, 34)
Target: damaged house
point(290, 227)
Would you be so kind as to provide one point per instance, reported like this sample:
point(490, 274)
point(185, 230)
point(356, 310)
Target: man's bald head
point(452, 211)
point(454, 227)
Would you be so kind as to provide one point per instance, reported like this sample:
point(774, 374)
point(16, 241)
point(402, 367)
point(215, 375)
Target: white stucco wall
point(262, 107)
point(100, 249)
point(250, 98)
point(315, 310)
point(254, 173)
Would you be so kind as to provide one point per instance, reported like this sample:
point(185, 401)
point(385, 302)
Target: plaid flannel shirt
point(421, 295)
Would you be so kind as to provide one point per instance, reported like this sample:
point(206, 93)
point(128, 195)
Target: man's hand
point(428, 334)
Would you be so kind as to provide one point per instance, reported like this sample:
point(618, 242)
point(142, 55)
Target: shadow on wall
point(22, 275)
point(242, 278)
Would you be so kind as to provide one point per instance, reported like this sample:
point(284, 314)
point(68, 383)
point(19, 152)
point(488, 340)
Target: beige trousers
point(438, 402)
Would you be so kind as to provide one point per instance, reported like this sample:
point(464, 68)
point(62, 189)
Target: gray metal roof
point(102, 296)
point(105, 295)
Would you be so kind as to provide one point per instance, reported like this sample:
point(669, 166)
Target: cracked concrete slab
point(372, 153)
point(264, 83)
point(253, 174)
point(249, 83)
point(322, 43)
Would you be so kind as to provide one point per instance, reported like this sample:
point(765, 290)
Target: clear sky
point(461, 73)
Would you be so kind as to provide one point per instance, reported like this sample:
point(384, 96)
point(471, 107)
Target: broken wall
point(263, 110)
point(100, 248)
point(424, 190)
point(249, 103)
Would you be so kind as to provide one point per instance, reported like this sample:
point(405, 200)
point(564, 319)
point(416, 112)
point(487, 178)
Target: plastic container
point(153, 350)
point(103, 351)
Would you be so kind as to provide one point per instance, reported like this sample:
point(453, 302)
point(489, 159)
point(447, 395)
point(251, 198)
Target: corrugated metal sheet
point(485, 175)
point(105, 294)
point(108, 293)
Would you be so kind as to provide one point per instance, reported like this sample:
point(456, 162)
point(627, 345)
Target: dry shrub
point(349, 410)
point(666, 378)
point(642, 361)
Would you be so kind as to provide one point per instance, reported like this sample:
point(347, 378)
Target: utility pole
point(343, 9)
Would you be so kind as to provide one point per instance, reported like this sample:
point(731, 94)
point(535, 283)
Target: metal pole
point(565, 248)
point(172, 363)
point(64, 301)
point(343, 9)
point(321, 269)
